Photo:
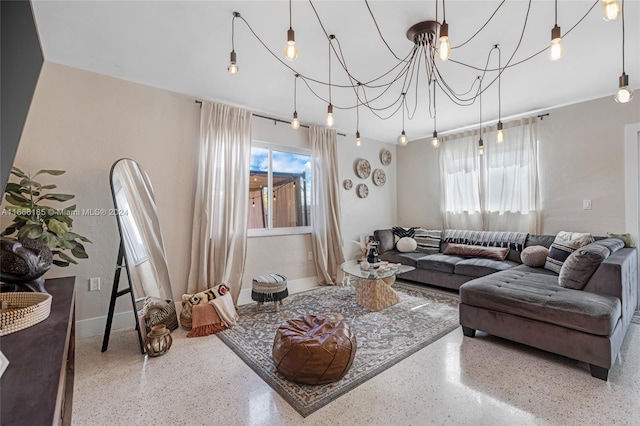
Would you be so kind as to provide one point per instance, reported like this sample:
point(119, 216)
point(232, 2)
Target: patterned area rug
point(384, 338)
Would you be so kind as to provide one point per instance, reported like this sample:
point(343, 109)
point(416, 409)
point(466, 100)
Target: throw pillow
point(404, 232)
point(581, 264)
point(406, 245)
point(428, 240)
point(385, 238)
point(627, 239)
point(465, 250)
point(563, 245)
point(534, 256)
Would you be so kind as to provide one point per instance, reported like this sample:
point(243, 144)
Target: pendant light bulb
point(233, 68)
point(291, 50)
point(480, 147)
point(403, 139)
point(330, 115)
point(358, 140)
point(624, 94)
point(500, 134)
point(444, 49)
point(610, 10)
point(295, 123)
point(435, 142)
point(556, 43)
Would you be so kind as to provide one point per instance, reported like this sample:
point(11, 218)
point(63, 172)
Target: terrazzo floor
point(456, 381)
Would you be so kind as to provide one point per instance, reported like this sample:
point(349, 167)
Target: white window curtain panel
point(220, 215)
point(325, 206)
point(498, 191)
point(460, 182)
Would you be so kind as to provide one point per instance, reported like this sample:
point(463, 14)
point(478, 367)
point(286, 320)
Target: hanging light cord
point(233, 25)
point(480, 96)
point(622, 12)
point(357, 107)
point(556, 12)
point(295, 93)
point(499, 83)
point(290, 21)
point(330, 38)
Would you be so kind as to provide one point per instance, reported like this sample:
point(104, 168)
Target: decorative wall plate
point(385, 157)
point(379, 177)
point(363, 190)
point(363, 168)
point(347, 184)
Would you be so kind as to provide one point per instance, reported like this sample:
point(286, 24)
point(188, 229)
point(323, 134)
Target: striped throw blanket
point(513, 240)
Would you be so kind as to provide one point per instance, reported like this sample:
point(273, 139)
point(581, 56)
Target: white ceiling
point(184, 46)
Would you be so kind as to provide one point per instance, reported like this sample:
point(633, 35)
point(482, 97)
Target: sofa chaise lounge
point(528, 305)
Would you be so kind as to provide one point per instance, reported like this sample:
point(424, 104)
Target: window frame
point(271, 231)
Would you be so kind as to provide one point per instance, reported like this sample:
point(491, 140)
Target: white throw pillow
point(406, 245)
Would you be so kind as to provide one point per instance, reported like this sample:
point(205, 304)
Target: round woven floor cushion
point(314, 349)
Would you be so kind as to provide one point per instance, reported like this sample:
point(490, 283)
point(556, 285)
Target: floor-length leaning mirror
point(141, 253)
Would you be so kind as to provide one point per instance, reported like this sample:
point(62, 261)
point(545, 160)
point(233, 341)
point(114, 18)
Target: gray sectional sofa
point(514, 301)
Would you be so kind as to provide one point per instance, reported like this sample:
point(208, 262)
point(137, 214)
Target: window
point(496, 191)
point(279, 190)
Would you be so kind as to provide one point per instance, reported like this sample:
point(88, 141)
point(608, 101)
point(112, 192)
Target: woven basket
point(24, 310)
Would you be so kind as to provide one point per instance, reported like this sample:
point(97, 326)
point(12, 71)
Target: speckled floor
point(456, 380)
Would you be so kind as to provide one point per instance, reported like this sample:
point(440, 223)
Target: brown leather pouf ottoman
point(314, 349)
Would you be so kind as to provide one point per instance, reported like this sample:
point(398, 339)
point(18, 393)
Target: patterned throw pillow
point(428, 240)
point(190, 300)
point(564, 244)
point(401, 232)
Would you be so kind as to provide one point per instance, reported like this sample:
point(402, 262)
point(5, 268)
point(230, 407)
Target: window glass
point(279, 189)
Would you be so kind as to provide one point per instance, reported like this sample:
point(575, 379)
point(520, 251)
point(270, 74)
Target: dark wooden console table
point(37, 386)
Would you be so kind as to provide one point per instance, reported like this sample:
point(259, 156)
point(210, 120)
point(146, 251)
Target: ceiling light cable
point(624, 93)
point(500, 132)
point(402, 139)
point(295, 123)
point(290, 49)
point(480, 142)
point(233, 67)
point(556, 38)
point(358, 115)
point(330, 107)
point(435, 142)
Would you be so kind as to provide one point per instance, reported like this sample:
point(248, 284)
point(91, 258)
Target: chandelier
point(431, 46)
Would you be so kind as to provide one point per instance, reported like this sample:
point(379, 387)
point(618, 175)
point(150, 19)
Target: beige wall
point(83, 122)
point(581, 155)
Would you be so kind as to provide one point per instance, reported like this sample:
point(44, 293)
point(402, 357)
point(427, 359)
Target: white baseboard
point(95, 326)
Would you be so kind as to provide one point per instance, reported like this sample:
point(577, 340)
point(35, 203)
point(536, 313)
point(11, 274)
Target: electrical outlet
point(586, 204)
point(309, 255)
point(94, 284)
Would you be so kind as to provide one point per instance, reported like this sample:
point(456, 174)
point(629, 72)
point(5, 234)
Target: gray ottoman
point(269, 288)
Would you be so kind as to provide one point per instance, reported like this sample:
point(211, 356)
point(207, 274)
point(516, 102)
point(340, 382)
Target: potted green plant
point(35, 219)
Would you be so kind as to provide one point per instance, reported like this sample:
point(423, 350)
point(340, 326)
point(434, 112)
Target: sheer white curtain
point(325, 206)
point(460, 182)
point(498, 190)
point(218, 246)
point(511, 186)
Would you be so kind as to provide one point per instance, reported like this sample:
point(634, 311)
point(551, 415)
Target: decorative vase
point(158, 341)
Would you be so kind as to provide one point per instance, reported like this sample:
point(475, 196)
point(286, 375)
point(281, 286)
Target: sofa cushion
point(464, 250)
point(581, 264)
point(563, 245)
point(479, 267)
point(438, 262)
point(535, 256)
point(539, 297)
point(406, 245)
point(539, 240)
point(385, 237)
point(613, 244)
point(394, 256)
